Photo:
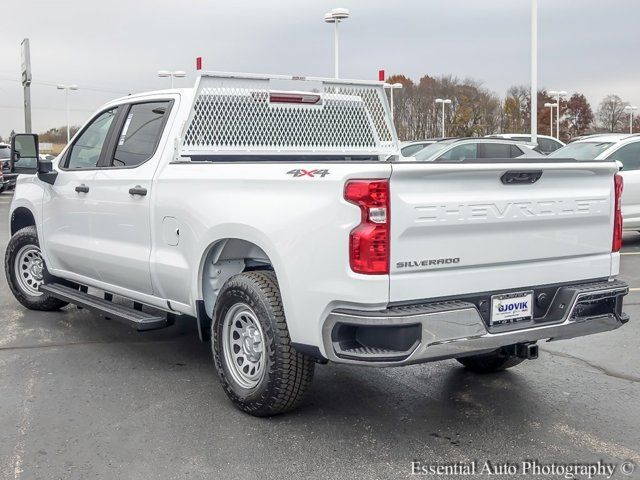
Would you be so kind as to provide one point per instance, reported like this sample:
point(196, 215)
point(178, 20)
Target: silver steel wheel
point(243, 345)
point(29, 269)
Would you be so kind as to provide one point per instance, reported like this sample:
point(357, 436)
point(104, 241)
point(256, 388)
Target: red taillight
point(369, 243)
point(617, 214)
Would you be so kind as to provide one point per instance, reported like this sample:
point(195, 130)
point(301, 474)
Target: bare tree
point(473, 111)
point(611, 113)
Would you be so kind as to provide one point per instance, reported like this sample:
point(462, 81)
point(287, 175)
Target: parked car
point(409, 149)
point(623, 148)
point(546, 144)
point(283, 224)
point(3, 183)
point(8, 180)
point(460, 149)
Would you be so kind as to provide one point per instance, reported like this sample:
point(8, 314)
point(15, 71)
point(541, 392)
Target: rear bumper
point(434, 331)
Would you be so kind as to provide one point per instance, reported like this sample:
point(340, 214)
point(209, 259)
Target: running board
point(136, 318)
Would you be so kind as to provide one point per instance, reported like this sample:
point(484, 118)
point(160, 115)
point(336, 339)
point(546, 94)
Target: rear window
point(460, 152)
point(581, 150)
point(547, 145)
point(431, 150)
point(410, 150)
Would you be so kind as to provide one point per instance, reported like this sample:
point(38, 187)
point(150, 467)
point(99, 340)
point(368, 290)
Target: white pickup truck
point(276, 212)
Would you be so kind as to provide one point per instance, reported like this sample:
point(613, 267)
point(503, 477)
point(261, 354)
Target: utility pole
point(26, 83)
point(534, 71)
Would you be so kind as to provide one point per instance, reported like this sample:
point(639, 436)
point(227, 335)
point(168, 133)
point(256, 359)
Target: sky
point(115, 47)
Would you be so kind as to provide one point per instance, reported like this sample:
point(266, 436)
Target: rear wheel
point(260, 371)
point(490, 362)
point(26, 271)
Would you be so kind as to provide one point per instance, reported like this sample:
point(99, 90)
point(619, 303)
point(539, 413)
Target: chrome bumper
point(435, 331)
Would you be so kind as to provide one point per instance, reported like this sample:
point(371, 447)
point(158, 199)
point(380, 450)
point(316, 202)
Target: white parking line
point(629, 253)
point(634, 289)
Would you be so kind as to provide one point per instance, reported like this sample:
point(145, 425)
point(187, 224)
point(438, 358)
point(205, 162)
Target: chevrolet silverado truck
point(277, 214)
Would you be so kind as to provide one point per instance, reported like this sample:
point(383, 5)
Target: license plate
point(511, 308)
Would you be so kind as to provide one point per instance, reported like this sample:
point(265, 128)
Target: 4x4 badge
point(299, 172)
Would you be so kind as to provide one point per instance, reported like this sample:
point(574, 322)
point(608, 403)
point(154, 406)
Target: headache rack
point(245, 114)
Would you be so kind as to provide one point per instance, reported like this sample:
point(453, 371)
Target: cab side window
point(629, 155)
point(495, 150)
point(140, 134)
point(86, 150)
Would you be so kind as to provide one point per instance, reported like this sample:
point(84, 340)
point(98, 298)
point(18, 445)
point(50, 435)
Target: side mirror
point(24, 153)
point(25, 158)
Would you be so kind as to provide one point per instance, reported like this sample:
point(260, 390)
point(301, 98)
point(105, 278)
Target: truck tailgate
point(460, 228)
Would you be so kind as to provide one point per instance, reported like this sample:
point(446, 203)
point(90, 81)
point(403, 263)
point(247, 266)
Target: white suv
point(546, 144)
point(623, 148)
point(461, 149)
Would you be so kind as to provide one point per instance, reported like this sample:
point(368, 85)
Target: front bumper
point(434, 331)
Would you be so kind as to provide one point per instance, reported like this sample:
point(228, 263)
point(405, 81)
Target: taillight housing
point(369, 243)
point(617, 213)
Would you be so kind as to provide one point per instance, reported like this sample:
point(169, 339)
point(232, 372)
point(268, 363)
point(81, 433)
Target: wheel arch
point(21, 217)
point(221, 260)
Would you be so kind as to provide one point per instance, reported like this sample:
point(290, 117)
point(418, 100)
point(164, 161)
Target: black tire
point(490, 362)
point(286, 374)
point(23, 238)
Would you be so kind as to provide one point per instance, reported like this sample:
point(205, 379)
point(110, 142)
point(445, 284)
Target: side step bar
point(136, 318)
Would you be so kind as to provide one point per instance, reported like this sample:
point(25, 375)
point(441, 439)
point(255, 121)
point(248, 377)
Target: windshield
point(581, 150)
point(430, 150)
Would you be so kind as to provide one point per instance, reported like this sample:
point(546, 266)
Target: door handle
point(138, 190)
point(82, 188)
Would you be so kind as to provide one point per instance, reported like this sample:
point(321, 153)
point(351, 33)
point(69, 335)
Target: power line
point(55, 84)
point(20, 107)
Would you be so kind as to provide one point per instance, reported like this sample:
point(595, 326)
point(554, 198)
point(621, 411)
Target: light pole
point(551, 106)
point(66, 89)
point(176, 74)
point(630, 109)
point(558, 94)
point(335, 16)
point(443, 101)
point(392, 87)
point(534, 71)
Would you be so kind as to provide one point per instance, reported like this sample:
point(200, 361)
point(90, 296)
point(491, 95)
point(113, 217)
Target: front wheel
point(26, 271)
point(260, 371)
point(490, 362)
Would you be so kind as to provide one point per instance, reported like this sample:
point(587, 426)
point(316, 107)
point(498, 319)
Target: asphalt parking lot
point(82, 397)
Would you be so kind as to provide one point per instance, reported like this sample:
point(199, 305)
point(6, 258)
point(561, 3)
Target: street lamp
point(392, 87)
point(443, 101)
point(557, 94)
point(176, 74)
point(66, 89)
point(550, 106)
point(630, 109)
point(335, 16)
